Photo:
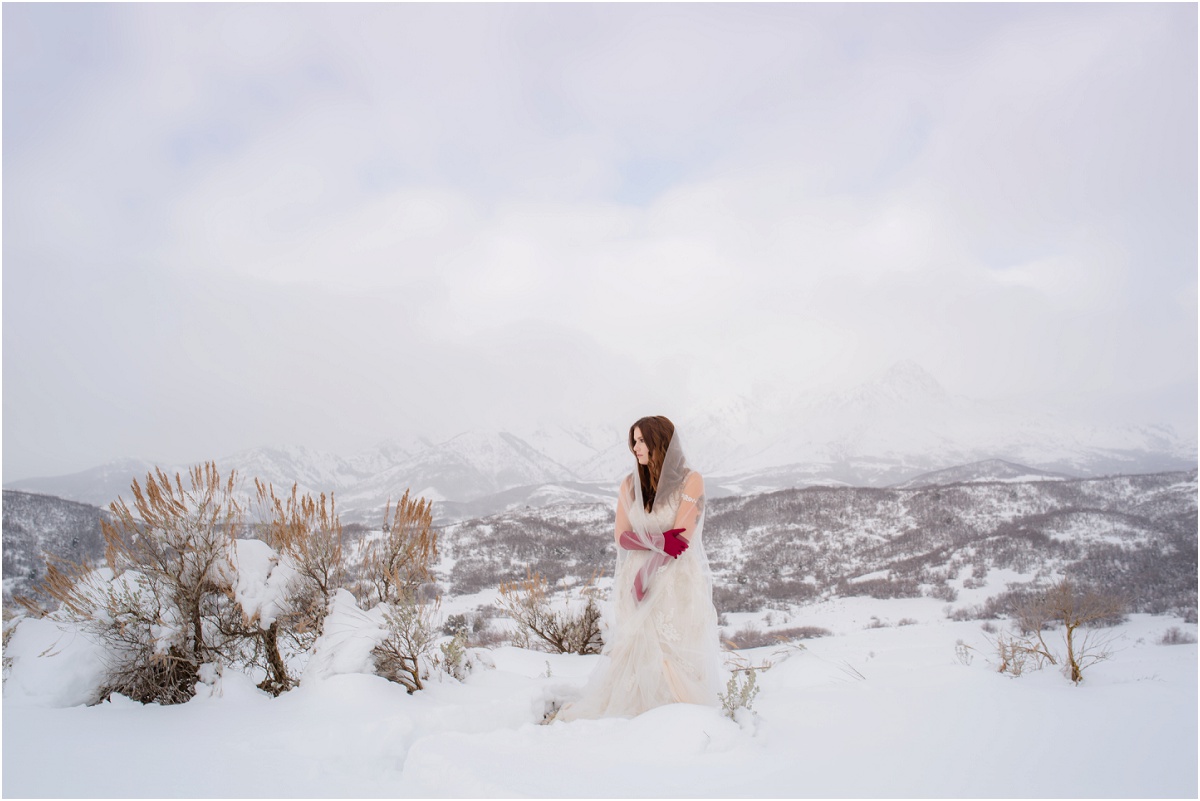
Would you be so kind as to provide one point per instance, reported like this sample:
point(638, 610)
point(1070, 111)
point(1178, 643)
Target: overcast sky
point(230, 226)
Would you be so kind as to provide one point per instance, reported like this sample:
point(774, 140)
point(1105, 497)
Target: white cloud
point(719, 196)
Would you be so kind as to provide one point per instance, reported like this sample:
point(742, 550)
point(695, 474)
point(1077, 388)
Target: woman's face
point(639, 447)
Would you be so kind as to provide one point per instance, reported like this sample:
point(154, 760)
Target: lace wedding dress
point(664, 648)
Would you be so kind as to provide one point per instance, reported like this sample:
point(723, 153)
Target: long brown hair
point(657, 432)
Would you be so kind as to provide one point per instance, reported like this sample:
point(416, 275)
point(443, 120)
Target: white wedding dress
point(665, 648)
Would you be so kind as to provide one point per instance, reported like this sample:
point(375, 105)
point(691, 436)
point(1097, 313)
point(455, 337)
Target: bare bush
point(562, 631)
point(750, 637)
point(475, 630)
point(944, 592)
point(735, 598)
point(405, 655)
point(10, 626)
point(1016, 653)
point(1176, 636)
point(1079, 610)
point(396, 571)
point(882, 588)
point(962, 613)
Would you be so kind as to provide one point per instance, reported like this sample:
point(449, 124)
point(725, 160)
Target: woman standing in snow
point(663, 646)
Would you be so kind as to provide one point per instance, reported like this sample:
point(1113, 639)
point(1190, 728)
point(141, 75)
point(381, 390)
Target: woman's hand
point(674, 544)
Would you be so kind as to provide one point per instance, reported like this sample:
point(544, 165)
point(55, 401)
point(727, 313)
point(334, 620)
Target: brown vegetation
point(562, 631)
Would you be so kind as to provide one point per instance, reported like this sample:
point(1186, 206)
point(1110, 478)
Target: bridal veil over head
point(670, 490)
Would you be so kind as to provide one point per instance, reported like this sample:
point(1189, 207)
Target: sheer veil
point(648, 528)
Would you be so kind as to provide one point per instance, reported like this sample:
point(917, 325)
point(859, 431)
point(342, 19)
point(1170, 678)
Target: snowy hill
point(1135, 534)
point(921, 705)
point(38, 524)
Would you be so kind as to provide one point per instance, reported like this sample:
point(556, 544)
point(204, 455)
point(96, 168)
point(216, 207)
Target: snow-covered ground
point(868, 711)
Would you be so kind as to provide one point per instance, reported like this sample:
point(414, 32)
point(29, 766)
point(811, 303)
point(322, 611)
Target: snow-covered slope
point(36, 525)
point(917, 710)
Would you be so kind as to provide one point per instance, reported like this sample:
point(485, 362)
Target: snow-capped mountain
point(986, 471)
point(99, 486)
point(314, 471)
point(463, 468)
point(900, 425)
point(904, 423)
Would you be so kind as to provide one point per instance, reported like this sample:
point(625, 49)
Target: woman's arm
point(689, 510)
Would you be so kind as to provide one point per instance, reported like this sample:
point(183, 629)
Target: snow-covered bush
point(164, 606)
point(310, 565)
point(348, 636)
point(183, 595)
point(459, 661)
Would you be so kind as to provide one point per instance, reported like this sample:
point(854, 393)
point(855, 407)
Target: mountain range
point(894, 429)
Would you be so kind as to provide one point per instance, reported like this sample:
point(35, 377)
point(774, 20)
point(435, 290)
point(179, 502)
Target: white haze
point(235, 225)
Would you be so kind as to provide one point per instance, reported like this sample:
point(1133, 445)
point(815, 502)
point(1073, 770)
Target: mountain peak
point(912, 378)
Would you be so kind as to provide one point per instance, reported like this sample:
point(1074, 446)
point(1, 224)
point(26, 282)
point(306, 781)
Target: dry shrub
point(1080, 610)
point(396, 570)
point(395, 566)
point(405, 656)
point(1016, 653)
point(751, 637)
point(165, 605)
point(561, 631)
point(307, 533)
point(1176, 636)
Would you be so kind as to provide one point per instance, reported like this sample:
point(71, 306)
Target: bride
point(662, 647)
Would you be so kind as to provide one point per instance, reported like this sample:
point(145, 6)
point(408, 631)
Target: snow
point(865, 712)
point(260, 580)
point(67, 667)
point(348, 635)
